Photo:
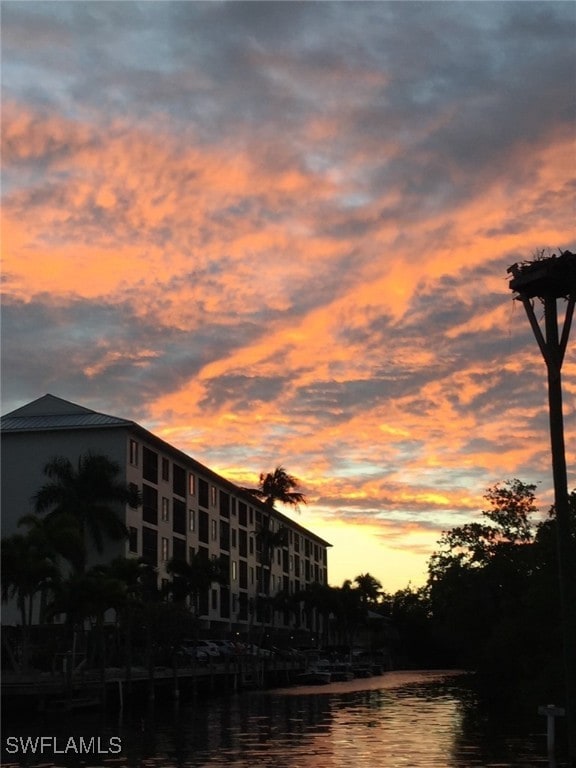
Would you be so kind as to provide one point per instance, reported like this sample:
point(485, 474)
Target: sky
point(277, 233)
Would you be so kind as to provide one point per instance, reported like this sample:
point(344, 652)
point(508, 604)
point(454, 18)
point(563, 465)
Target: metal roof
point(60, 421)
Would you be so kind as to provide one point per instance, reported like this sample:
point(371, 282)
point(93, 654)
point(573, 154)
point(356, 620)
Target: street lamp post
point(550, 279)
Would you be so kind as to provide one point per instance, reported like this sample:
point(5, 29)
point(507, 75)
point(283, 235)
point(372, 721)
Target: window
point(213, 530)
point(191, 520)
point(165, 510)
point(179, 516)
point(251, 545)
point(149, 504)
point(251, 515)
point(242, 607)
point(224, 504)
point(150, 546)
point(234, 570)
point(224, 534)
point(242, 516)
point(242, 543)
point(224, 603)
point(191, 553)
point(165, 550)
point(149, 465)
point(233, 538)
point(179, 481)
point(213, 495)
point(191, 484)
point(214, 599)
point(133, 539)
point(165, 469)
point(133, 450)
point(203, 493)
point(243, 575)
point(178, 548)
point(203, 526)
point(251, 575)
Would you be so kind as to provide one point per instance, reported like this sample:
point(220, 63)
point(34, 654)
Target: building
point(187, 508)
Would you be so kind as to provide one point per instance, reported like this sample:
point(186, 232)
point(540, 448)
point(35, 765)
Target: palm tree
point(278, 486)
point(58, 535)
point(348, 612)
point(27, 569)
point(272, 487)
point(89, 494)
point(195, 578)
point(139, 581)
point(369, 588)
point(268, 542)
point(322, 600)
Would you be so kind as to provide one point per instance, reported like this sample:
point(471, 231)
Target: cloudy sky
point(278, 233)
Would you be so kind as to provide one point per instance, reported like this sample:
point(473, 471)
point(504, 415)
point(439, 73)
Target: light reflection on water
point(398, 720)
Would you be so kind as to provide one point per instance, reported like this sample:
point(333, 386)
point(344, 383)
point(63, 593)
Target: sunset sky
point(278, 233)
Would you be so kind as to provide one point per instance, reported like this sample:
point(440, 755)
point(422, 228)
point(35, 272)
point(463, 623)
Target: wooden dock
point(58, 691)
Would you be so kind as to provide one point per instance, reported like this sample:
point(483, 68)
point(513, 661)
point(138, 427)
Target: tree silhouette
point(194, 578)
point(278, 486)
point(369, 588)
point(90, 494)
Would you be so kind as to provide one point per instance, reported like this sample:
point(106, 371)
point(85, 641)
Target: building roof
point(50, 412)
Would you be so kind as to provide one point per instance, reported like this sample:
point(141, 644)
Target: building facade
point(186, 509)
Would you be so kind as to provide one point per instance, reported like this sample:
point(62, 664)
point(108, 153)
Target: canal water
point(397, 720)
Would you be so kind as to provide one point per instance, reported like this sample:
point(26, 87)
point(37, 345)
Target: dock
point(53, 691)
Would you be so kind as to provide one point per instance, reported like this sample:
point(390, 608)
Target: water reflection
point(421, 720)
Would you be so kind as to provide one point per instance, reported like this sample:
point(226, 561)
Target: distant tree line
point(491, 602)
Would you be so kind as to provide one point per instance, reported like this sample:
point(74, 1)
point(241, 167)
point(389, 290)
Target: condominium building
point(186, 507)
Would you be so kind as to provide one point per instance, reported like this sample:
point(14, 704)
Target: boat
point(340, 672)
point(361, 671)
point(314, 676)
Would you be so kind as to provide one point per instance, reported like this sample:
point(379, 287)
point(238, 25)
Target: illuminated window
point(165, 509)
point(191, 485)
point(133, 449)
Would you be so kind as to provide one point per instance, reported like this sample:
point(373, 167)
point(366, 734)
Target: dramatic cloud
point(279, 233)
